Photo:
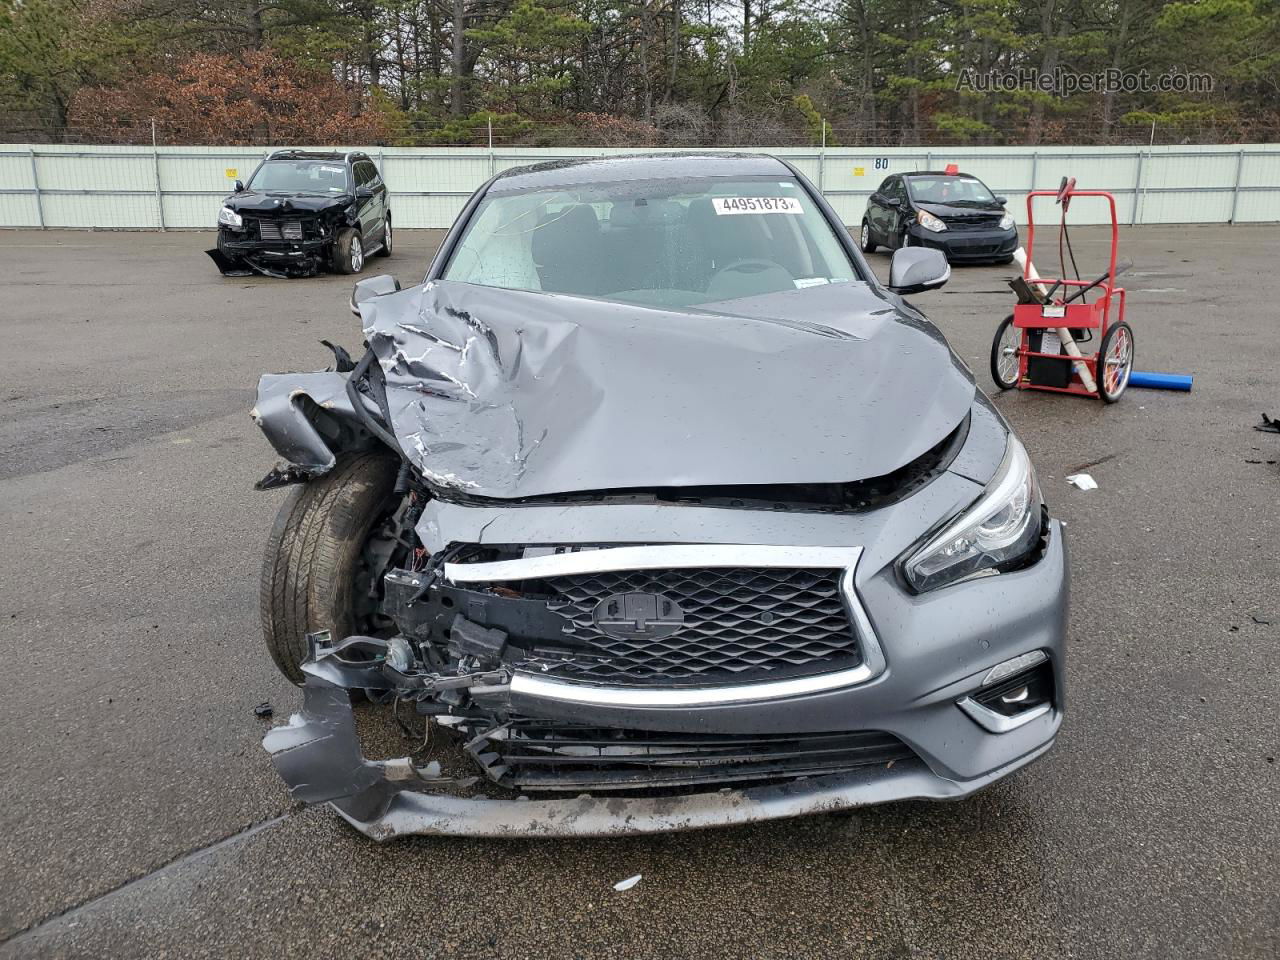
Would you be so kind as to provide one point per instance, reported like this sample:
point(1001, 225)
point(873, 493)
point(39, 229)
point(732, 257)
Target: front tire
point(314, 574)
point(348, 252)
point(866, 241)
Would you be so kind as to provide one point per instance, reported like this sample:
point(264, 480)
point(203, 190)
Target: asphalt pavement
point(140, 817)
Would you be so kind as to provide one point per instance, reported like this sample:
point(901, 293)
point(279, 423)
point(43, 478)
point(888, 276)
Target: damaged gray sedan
point(666, 512)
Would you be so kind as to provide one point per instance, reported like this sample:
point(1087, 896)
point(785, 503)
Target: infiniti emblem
point(638, 616)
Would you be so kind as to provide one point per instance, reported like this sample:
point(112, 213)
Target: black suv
point(303, 210)
point(950, 211)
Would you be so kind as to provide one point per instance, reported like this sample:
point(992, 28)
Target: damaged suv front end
point(737, 544)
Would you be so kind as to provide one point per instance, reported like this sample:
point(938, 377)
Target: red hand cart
point(1037, 347)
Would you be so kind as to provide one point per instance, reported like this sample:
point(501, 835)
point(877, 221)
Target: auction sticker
point(729, 205)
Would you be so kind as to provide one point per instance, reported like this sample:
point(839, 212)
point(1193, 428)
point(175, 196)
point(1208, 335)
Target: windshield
point(677, 242)
point(300, 176)
point(954, 190)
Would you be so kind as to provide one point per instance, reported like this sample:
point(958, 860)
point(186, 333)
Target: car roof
point(937, 173)
point(340, 156)
point(654, 166)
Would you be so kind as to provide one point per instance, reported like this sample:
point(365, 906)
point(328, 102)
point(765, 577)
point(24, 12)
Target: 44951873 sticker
point(730, 205)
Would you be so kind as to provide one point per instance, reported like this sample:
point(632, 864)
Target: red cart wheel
point(1004, 354)
point(1115, 362)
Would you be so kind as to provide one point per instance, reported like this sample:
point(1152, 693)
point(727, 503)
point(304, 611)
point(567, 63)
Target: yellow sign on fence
point(232, 173)
point(859, 171)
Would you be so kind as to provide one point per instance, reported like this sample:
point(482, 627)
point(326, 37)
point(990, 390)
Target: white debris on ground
point(1083, 481)
point(628, 883)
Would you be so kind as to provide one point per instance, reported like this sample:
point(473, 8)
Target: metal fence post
point(1035, 162)
point(928, 160)
point(155, 169)
point(1137, 187)
point(1235, 191)
point(822, 158)
point(35, 183)
point(493, 161)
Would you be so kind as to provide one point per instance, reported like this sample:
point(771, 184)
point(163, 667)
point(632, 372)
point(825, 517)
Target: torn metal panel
point(509, 394)
point(317, 753)
point(289, 409)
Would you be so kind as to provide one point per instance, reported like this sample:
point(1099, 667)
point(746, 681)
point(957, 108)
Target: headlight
point(1006, 222)
point(229, 218)
point(1001, 527)
point(929, 221)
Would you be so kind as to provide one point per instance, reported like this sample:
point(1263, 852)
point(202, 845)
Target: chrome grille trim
point(687, 555)
point(612, 559)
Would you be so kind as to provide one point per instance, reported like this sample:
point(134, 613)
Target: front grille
point(555, 755)
point(712, 624)
point(280, 230)
point(962, 225)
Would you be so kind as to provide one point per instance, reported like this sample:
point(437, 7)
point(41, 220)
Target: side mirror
point(894, 202)
point(364, 193)
point(239, 186)
point(1002, 200)
point(371, 287)
point(916, 269)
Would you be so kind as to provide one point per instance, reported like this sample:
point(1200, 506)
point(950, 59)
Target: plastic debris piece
point(628, 883)
point(1082, 481)
point(1268, 424)
point(264, 709)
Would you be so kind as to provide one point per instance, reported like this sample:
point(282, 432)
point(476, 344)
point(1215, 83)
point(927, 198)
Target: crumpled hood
point(251, 201)
point(505, 393)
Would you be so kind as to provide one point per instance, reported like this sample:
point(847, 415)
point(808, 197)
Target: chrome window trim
point(649, 557)
point(988, 719)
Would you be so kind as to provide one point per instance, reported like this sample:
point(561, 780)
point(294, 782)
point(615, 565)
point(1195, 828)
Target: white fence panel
point(181, 187)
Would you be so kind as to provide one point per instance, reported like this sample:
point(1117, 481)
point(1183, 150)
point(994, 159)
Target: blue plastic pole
point(1160, 381)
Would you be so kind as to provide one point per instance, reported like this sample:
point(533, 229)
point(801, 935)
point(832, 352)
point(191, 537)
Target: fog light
point(1018, 696)
point(1012, 694)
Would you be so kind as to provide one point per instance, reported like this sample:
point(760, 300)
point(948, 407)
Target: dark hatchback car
point(302, 211)
point(951, 212)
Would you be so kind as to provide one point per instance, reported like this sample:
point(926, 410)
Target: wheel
point(348, 252)
point(1115, 361)
point(1004, 354)
point(321, 559)
point(385, 249)
point(868, 244)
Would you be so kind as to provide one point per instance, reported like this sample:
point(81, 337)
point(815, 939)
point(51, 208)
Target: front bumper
point(937, 648)
point(968, 246)
point(319, 755)
point(237, 254)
